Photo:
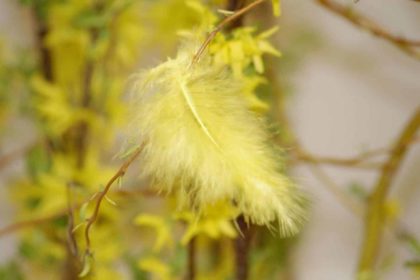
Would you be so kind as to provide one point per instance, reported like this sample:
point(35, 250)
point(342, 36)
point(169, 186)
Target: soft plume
point(201, 141)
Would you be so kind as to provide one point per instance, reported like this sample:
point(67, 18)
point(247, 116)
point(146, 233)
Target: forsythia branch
point(121, 172)
point(192, 254)
point(376, 212)
point(220, 26)
point(71, 240)
point(406, 45)
point(242, 246)
point(233, 5)
point(358, 161)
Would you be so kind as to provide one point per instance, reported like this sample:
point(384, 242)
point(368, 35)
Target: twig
point(234, 5)
point(242, 242)
point(242, 253)
point(71, 240)
point(220, 26)
point(242, 246)
point(375, 212)
point(358, 161)
point(355, 162)
point(72, 262)
point(44, 53)
point(121, 172)
point(406, 45)
point(333, 188)
point(191, 270)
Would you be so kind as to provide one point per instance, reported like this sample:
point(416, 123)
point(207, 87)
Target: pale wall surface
point(354, 93)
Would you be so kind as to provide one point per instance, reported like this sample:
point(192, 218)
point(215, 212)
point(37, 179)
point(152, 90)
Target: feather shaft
point(193, 109)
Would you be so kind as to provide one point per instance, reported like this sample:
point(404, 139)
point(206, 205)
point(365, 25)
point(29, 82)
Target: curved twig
point(408, 46)
point(120, 173)
point(220, 26)
point(376, 210)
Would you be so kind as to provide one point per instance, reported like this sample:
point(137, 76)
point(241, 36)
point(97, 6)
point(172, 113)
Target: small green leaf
point(110, 201)
point(119, 182)
point(268, 33)
point(225, 12)
point(27, 249)
point(83, 210)
point(77, 227)
point(126, 153)
point(87, 265)
point(358, 190)
point(412, 242)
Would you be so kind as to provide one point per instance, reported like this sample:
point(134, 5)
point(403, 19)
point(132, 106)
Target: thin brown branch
point(242, 246)
point(101, 195)
point(242, 243)
point(334, 189)
point(82, 130)
point(71, 240)
point(375, 217)
point(191, 263)
point(45, 57)
point(408, 46)
point(234, 5)
point(359, 161)
point(220, 26)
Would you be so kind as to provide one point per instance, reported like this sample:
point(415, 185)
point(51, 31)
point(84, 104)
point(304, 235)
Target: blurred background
point(347, 92)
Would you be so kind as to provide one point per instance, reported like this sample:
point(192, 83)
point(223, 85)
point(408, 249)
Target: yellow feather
point(201, 140)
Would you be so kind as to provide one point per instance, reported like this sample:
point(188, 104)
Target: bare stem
point(242, 246)
point(191, 264)
point(45, 58)
point(234, 5)
point(406, 45)
point(376, 213)
point(120, 173)
point(82, 130)
point(358, 161)
point(72, 262)
point(71, 240)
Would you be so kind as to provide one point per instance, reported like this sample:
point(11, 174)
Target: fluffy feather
point(200, 139)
